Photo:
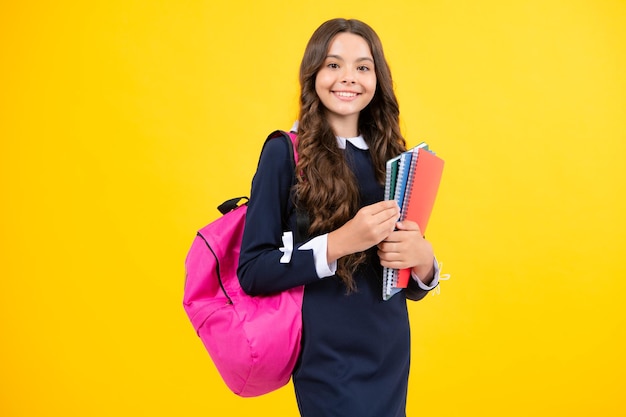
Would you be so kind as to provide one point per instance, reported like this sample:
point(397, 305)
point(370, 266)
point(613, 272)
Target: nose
point(348, 77)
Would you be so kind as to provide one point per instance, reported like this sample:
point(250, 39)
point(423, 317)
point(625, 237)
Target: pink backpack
point(254, 342)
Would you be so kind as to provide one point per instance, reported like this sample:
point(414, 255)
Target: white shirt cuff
point(433, 283)
point(319, 246)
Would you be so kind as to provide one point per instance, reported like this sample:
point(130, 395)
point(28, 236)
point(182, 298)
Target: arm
point(260, 268)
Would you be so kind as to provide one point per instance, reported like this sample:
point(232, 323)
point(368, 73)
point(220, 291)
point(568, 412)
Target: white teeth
point(345, 94)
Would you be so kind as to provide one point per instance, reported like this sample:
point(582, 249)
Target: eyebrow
point(358, 59)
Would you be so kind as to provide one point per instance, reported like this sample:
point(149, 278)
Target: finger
point(393, 263)
point(384, 206)
point(388, 247)
point(388, 256)
point(387, 203)
point(393, 237)
point(387, 219)
point(386, 228)
point(408, 225)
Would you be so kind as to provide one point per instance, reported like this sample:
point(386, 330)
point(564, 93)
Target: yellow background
point(123, 124)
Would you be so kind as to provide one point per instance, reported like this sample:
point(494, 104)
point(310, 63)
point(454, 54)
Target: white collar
point(357, 141)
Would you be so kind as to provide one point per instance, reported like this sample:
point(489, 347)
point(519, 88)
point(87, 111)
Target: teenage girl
point(355, 346)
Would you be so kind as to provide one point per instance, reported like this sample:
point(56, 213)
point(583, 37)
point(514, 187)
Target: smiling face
point(346, 83)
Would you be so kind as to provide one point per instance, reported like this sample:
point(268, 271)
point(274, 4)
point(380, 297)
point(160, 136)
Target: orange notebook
point(416, 203)
point(419, 198)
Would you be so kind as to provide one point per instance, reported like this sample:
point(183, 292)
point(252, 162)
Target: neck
point(344, 127)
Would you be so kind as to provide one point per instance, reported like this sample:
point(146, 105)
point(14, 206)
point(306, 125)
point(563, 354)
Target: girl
point(355, 346)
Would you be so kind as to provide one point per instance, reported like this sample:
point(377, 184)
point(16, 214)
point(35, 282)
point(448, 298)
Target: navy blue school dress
point(355, 347)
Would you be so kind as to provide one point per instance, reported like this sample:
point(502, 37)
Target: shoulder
point(274, 177)
point(276, 146)
point(275, 160)
point(276, 153)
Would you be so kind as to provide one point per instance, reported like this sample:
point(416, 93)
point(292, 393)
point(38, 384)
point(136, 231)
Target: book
point(417, 180)
point(404, 169)
point(398, 172)
point(390, 179)
point(390, 275)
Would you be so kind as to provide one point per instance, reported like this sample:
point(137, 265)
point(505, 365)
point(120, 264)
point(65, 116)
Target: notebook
point(396, 181)
point(413, 184)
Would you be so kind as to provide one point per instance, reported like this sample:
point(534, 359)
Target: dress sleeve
point(269, 215)
point(418, 290)
point(319, 246)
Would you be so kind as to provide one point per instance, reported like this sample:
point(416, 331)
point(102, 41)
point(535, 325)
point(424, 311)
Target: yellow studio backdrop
point(124, 123)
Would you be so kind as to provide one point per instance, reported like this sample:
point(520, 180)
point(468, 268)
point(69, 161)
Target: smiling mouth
point(346, 94)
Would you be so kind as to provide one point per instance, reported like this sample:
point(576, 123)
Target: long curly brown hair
point(326, 187)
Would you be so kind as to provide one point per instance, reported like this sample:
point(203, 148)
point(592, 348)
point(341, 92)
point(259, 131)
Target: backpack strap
point(230, 205)
point(302, 217)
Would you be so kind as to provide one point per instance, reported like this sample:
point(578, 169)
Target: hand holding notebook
point(412, 180)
